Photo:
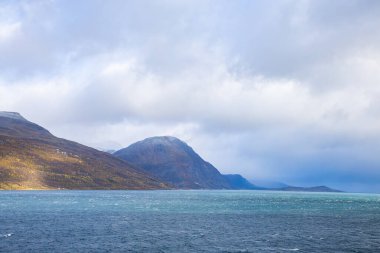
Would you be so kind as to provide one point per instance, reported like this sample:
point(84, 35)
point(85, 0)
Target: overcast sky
point(278, 90)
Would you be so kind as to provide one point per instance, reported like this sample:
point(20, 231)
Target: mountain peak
point(32, 158)
point(12, 115)
point(13, 124)
point(162, 140)
point(173, 161)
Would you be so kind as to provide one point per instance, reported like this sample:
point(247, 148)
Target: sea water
point(188, 221)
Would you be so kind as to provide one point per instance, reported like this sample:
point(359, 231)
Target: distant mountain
point(268, 184)
point(32, 158)
point(172, 160)
point(279, 186)
point(238, 182)
point(308, 189)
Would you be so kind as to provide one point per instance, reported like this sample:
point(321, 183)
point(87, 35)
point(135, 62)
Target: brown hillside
point(32, 158)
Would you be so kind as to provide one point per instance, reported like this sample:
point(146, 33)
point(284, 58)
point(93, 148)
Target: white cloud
point(7, 31)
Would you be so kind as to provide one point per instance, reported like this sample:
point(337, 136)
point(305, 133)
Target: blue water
point(188, 221)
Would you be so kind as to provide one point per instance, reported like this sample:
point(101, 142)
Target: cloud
point(7, 31)
point(286, 91)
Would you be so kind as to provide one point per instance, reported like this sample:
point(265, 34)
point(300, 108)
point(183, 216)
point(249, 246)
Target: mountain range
point(32, 158)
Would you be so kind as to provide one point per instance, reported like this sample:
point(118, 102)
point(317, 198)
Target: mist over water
point(188, 221)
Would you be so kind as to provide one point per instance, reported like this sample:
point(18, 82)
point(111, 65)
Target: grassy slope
point(31, 160)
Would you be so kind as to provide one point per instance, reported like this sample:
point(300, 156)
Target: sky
point(274, 90)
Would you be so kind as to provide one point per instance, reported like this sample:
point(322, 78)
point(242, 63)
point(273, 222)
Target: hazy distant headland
point(32, 158)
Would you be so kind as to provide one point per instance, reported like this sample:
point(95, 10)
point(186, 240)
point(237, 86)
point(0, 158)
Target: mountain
point(172, 160)
point(308, 189)
point(238, 182)
point(32, 158)
point(268, 184)
point(279, 186)
point(14, 125)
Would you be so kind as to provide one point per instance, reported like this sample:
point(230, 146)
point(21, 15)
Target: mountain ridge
point(33, 158)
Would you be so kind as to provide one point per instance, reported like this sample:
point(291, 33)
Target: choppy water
point(188, 221)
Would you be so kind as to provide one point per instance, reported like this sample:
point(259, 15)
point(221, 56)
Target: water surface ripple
point(188, 221)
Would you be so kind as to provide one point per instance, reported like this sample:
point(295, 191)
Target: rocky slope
point(32, 158)
point(173, 161)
